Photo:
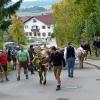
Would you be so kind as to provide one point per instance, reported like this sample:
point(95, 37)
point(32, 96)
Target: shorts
point(4, 67)
point(1, 69)
point(14, 59)
point(23, 64)
point(9, 58)
point(57, 70)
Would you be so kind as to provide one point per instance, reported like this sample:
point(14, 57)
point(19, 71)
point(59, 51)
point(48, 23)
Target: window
point(43, 27)
point(35, 33)
point(34, 20)
point(32, 27)
point(26, 26)
point(30, 34)
point(43, 34)
point(48, 27)
point(38, 34)
point(36, 27)
point(26, 33)
point(49, 34)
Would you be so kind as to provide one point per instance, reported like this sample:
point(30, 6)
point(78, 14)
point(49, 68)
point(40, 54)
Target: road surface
point(83, 86)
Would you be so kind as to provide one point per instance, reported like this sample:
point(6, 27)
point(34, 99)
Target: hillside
point(36, 7)
point(33, 9)
point(40, 3)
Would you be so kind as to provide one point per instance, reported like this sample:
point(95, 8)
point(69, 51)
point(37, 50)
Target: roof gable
point(46, 19)
point(25, 18)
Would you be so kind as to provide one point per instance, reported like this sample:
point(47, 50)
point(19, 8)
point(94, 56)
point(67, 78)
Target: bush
point(10, 67)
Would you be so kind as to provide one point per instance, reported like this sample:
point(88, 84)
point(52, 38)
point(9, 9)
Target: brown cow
point(42, 60)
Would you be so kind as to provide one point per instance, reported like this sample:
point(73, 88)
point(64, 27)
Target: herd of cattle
point(41, 60)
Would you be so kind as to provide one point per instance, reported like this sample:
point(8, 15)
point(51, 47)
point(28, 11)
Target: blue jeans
point(71, 63)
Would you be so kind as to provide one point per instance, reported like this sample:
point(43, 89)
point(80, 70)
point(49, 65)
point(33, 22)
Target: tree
point(6, 10)
point(68, 21)
point(91, 14)
point(16, 30)
point(76, 19)
point(1, 39)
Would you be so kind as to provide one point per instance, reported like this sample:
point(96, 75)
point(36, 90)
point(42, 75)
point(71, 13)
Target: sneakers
point(7, 79)
point(18, 78)
point(58, 88)
point(32, 73)
point(2, 81)
point(26, 76)
point(70, 76)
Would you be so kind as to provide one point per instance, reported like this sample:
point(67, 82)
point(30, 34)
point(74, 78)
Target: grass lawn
point(93, 57)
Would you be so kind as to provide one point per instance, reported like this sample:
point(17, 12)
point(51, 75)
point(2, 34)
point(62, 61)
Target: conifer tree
point(6, 10)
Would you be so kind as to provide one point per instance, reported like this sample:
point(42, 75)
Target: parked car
point(10, 45)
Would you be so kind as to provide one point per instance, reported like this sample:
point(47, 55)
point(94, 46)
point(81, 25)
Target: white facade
point(36, 28)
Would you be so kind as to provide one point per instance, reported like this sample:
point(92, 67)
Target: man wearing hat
point(58, 61)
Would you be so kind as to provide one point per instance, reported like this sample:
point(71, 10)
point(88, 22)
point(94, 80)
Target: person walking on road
point(86, 46)
point(3, 65)
point(13, 57)
point(31, 54)
point(23, 61)
point(69, 56)
point(58, 61)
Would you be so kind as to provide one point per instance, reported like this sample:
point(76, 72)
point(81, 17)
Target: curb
point(93, 65)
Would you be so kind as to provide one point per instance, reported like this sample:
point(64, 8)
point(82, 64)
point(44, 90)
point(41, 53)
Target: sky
point(23, 0)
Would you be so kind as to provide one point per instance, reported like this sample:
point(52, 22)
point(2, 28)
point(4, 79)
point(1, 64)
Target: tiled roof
point(25, 18)
point(47, 19)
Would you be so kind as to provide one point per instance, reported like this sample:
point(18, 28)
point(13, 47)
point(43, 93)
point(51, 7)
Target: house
point(38, 26)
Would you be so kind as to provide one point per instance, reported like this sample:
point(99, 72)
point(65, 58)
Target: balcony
point(35, 29)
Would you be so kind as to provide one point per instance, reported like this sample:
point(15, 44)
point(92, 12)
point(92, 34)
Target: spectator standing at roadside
point(98, 46)
point(95, 45)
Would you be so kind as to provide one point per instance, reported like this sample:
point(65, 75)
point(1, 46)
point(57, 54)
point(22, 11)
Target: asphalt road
point(83, 86)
